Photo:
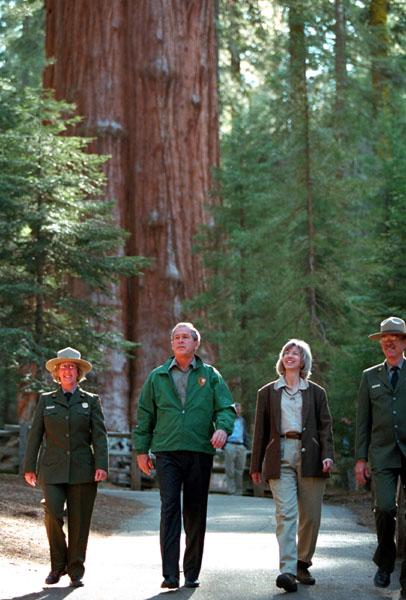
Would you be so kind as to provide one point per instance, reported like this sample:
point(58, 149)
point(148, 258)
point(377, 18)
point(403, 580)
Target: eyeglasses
point(392, 338)
point(68, 367)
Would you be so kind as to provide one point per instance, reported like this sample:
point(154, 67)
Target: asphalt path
point(240, 560)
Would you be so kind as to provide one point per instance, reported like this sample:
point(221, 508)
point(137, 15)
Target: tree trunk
point(340, 63)
point(379, 53)
point(301, 136)
point(143, 75)
point(176, 144)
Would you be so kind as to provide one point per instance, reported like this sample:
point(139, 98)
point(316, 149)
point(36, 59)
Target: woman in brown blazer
point(293, 447)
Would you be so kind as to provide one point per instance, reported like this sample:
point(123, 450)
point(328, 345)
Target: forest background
point(292, 210)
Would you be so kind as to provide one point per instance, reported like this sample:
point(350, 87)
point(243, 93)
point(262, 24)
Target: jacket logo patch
point(377, 385)
point(85, 405)
point(201, 381)
point(50, 407)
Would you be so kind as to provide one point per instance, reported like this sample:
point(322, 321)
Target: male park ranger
point(381, 437)
point(75, 459)
point(185, 412)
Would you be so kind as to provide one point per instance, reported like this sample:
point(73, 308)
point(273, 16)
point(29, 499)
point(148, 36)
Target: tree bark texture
point(143, 75)
point(340, 63)
point(301, 133)
point(379, 53)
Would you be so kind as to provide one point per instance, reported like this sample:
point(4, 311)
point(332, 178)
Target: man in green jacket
point(381, 438)
point(185, 413)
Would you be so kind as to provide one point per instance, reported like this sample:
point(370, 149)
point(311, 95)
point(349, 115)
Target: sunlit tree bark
point(143, 75)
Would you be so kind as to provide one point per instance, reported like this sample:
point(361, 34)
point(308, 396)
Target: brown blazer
point(317, 434)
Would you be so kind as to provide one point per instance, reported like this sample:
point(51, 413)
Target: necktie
point(68, 395)
point(395, 376)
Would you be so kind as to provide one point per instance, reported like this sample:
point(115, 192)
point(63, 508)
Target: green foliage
point(257, 248)
point(22, 41)
point(60, 244)
point(243, 42)
point(240, 293)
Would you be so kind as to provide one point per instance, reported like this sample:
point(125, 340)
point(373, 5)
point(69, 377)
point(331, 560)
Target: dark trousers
point(191, 470)
point(385, 509)
point(79, 500)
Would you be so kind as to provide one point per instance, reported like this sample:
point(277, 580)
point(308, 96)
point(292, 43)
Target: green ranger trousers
point(385, 509)
point(74, 501)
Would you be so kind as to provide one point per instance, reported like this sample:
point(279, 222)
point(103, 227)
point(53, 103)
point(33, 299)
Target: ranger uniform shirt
point(74, 436)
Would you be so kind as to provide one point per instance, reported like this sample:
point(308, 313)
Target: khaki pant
point(234, 463)
point(298, 503)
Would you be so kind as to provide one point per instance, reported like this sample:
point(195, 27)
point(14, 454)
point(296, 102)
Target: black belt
point(236, 443)
point(292, 435)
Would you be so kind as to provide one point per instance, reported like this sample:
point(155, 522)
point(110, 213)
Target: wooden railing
point(123, 459)
point(123, 468)
point(13, 440)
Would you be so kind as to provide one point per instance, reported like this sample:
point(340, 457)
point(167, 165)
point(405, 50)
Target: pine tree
point(22, 42)
point(55, 229)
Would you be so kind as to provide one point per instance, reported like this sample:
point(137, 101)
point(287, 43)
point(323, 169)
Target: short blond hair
point(306, 354)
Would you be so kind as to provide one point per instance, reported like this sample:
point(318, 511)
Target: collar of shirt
point(303, 383)
point(389, 367)
point(67, 391)
point(174, 363)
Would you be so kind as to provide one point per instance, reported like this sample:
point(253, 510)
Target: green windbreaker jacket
point(165, 425)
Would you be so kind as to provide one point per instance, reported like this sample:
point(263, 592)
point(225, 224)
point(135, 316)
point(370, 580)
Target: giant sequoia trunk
point(143, 75)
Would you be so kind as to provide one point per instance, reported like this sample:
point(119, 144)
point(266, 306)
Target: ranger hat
point(69, 355)
point(391, 325)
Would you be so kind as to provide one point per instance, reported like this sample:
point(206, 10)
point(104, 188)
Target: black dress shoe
point(54, 576)
point(382, 578)
point(287, 581)
point(192, 583)
point(77, 582)
point(170, 582)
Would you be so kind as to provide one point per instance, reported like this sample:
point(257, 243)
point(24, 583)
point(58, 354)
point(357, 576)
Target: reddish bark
point(26, 401)
point(143, 75)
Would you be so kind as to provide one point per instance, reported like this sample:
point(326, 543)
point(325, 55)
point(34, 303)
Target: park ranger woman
point(75, 458)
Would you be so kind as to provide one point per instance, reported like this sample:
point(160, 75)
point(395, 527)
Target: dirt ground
point(21, 516)
point(22, 519)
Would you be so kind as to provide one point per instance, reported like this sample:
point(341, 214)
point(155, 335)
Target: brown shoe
point(54, 576)
point(303, 574)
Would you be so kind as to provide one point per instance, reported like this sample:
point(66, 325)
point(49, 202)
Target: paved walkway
point(240, 560)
